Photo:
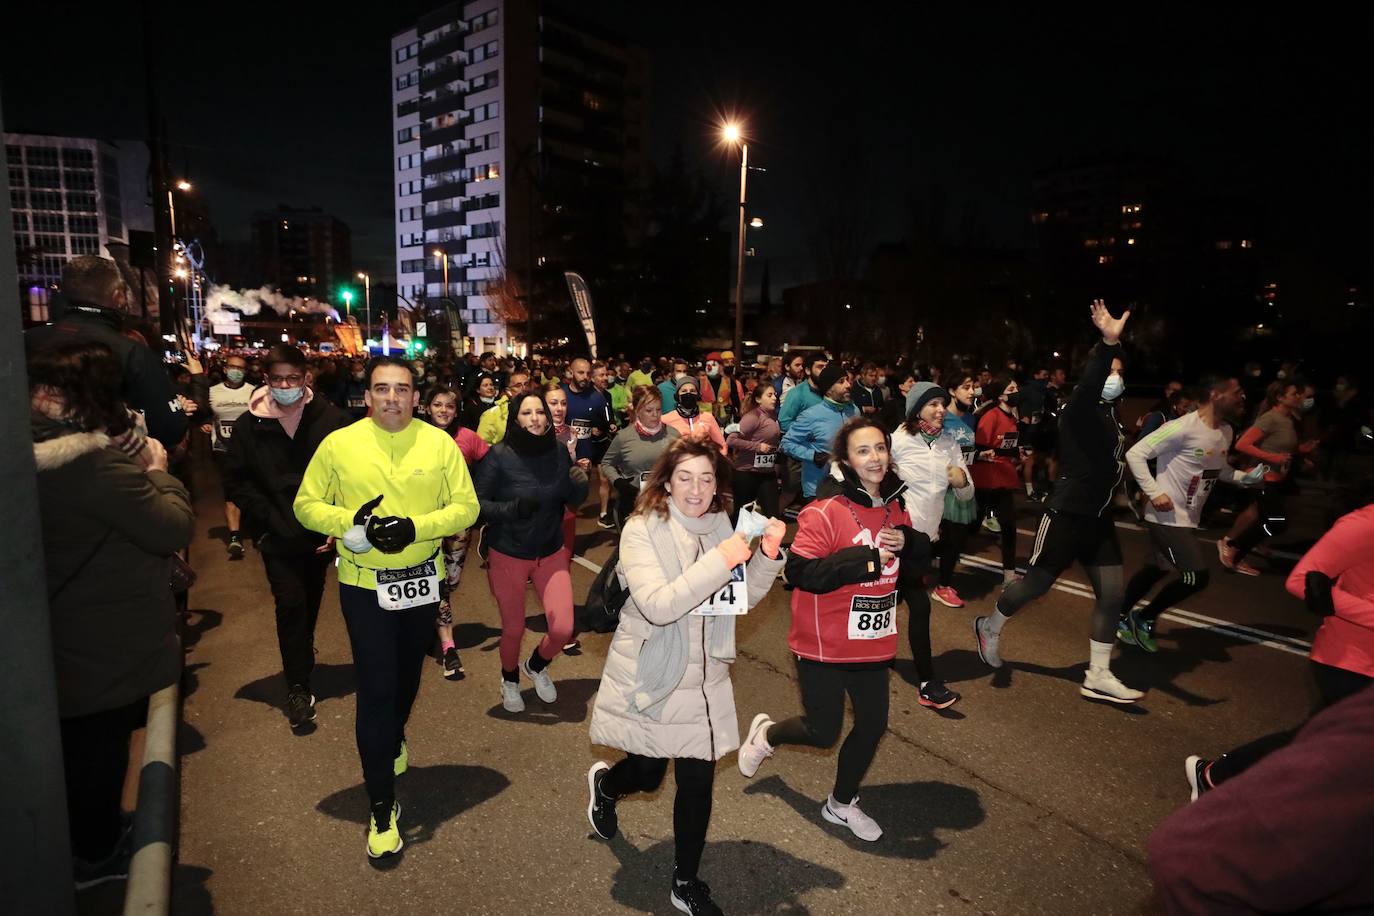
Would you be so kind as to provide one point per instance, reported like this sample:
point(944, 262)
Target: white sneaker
point(1009, 576)
point(862, 826)
point(543, 684)
point(755, 748)
point(1101, 684)
point(510, 697)
point(987, 642)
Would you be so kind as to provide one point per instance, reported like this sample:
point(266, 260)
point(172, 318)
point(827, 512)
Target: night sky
point(291, 103)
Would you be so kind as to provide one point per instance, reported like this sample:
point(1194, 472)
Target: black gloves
point(366, 509)
point(526, 506)
point(1318, 594)
point(390, 534)
point(821, 459)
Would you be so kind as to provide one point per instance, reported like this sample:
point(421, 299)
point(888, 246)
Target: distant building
point(302, 252)
point(518, 134)
point(71, 196)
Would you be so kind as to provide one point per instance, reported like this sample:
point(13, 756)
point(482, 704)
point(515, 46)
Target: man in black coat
point(272, 445)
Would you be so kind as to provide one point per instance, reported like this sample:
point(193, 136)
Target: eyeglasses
point(290, 381)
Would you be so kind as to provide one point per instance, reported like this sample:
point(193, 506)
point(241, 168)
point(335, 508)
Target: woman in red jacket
point(849, 552)
point(997, 466)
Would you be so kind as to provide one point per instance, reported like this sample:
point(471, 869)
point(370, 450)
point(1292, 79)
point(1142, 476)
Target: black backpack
point(601, 612)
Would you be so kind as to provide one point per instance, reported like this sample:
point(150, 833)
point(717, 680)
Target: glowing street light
point(756, 223)
point(367, 299)
point(181, 273)
point(732, 135)
point(183, 185)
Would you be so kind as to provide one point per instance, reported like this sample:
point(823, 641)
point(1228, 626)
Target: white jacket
point(925, 471)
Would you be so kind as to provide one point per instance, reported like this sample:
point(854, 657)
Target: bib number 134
point(873, 616)
point(400, 589)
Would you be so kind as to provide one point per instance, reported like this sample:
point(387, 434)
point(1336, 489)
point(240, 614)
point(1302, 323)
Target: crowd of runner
point(397, 470)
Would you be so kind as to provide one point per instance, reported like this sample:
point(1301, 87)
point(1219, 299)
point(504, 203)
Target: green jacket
point(620, 402)
point(491, 427)
point(421, 476)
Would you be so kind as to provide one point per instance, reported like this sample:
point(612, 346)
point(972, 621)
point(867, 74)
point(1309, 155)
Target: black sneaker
point(936, 695)
point(300, 706)
point(694, 897)
point(573, 647)
point(453, 665)
point(1195, 771)
point(600, 808)
point(114, 867)
point(606, 522)
point(235, 548)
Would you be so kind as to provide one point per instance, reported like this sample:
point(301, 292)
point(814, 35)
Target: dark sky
point(290, 103)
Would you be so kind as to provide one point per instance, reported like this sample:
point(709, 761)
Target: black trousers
point(389, 649)
point(1333, 685)
point(297, 582)
point(1001, 504)
point(823, 688)
point(750, 486)
point(691, 806)
point(95, 758)
point(953, 537)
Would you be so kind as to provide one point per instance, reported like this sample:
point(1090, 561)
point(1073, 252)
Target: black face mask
point(646, 366)
point(689, 400)
point(1014, 399)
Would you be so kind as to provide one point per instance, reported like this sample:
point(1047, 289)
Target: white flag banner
point(582, 301)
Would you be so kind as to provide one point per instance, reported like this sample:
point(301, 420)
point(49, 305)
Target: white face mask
point(1113, 388)
point(977, 392)
point(882, 380)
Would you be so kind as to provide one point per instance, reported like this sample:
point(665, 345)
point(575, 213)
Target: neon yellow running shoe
point(402, 762)
point(384, 831)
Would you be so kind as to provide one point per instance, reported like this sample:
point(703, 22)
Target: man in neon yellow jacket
point(491, 427)
point(388, 488)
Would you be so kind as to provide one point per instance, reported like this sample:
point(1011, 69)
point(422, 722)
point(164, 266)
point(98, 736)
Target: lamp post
point(367, 302)
point(732, 135)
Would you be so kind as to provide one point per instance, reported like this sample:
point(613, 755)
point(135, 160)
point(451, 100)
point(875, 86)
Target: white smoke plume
point(251, 301)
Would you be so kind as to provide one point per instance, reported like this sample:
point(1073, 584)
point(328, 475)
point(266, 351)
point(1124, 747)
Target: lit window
point(1224, 245)
point(1040, 217)
point(1090, 243)
point(1104, 259)
point(1246, 243)
point(1130, 241)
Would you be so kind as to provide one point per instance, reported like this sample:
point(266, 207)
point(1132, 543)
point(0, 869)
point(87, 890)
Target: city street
point(1022, 798)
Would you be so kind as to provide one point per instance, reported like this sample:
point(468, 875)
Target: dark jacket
point(348, 396)
point(146, 386)
point(547, 477)
point(109, 530)
point(868, 397)
point(1091, 442)
point(263, 469)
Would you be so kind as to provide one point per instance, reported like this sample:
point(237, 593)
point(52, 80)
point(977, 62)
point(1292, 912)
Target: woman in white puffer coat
point(665, 691)
point(928, 459)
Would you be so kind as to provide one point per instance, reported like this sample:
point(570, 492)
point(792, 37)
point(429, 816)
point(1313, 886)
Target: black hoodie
point(1091, 442)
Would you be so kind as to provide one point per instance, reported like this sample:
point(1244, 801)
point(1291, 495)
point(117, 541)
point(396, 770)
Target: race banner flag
point(582, 300)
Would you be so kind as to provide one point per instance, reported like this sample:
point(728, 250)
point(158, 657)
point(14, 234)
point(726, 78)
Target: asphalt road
point(1022, 798)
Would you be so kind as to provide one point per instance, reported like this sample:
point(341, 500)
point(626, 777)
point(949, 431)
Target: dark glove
point(366, 509)
point(1318, 594)
point(628, 488)
point(821, 459)
point(390, 534)
point(526, 506)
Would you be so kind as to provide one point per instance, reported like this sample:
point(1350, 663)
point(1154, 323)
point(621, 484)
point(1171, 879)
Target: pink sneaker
point(947, 596)
point(1244, 568)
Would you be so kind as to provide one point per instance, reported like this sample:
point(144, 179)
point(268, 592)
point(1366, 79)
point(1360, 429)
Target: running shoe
point(860, 824)
point(1143, 632)
point(1195, 771)
point(574, 646)
point(600, 807)
point(992, 525)
point(1226, 554)
point(1101, 684)
point(543, 684)
point(384, 831)
point(453, 665)
point(947, 596)
point(114, 867)
point(235, 548)
point(402, 761)
point(605, 521)
point(755, 749)
point(1124, 634)
point(1244, 568)
point(936, 695)
point(510, 696)
point(300, 706)
point(1009, 576)
point(693, 897)
point(987, 642)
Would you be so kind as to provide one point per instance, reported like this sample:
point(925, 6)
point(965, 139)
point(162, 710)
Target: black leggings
point(918, 629)
point(95, 755)
point(1333, 685)
point(750, 486)
point(953, 537)
point(389, 649)
point(691, 805)
point(823, 688)
point(1002, 505)
point(1177, 590)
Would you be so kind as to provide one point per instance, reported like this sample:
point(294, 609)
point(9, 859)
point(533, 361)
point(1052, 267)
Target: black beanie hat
point(829, 376)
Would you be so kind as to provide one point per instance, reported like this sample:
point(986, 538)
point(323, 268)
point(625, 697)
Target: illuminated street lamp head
point(731, 133)
point(362, 276)
point(183, 185)
point(756, 223)
point(348, 296)
point(181, 273)
point(437, 253)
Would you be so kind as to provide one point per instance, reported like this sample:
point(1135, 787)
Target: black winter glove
point(821, 459)
point(390, 534)
point(366, 509)
point(526, 506)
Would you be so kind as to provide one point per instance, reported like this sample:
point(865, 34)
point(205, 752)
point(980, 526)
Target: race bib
point(873, 616)
point(730, 601)
point(226, 428)
point(643, 478)
point(765, 462)
point(1009, 442)
point(582, 429)
point(1201, 486)
point(399, 589)
point(357, 403)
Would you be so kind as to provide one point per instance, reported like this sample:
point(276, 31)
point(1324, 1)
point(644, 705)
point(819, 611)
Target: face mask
point(646, 366)
point(1308, 404)
point(431, 379)
point(287, 396)
point(1014, 399)
point(1113, 388)
point(487, 400)
point(234, 375)
point(689, 399)
point(882, 380)
point(1254, 373)
point(1282, 374)
point(978, 392)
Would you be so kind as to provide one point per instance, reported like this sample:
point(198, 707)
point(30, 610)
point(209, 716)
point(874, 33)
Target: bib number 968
point(399, 589)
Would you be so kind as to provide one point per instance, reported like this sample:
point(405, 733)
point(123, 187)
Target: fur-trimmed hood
point(54, 453)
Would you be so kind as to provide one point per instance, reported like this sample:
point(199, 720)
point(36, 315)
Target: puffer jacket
point(548, 477)
point(698, 719)
point(109, 530)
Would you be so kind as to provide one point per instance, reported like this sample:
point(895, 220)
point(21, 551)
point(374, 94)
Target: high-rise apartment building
point(302, 252)
point(516, 128)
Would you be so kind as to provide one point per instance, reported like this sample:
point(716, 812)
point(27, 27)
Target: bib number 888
point(410, 590)
point(878, 622)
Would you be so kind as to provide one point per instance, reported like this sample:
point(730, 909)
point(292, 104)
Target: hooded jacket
point(263, 468)
point(109, 529)
point(1091, 442)
point(548, 477)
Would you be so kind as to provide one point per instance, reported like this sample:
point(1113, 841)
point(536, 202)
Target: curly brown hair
point(654, 497)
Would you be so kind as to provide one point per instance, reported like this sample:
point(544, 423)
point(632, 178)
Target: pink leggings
point(507, 576)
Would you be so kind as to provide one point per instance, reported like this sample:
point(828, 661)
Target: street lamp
point(732, 135)
point(444, 255)
point(367, 300)
point(183, 185)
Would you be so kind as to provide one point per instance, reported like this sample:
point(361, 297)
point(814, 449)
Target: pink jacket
point(1346, 555)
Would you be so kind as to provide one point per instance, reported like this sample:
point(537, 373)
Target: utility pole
point(161, 190)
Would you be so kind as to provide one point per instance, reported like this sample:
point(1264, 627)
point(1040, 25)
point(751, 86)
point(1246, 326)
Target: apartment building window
point(486, 171)
point(45, 200)
point(486, 112)
point(413, 238)
point(44, 178)
point(410, 106)
point(406, 53)
point(486, 230)
point(21, 222)
point(409, 187)
point(409, 161)
point(408, 214)
point(489, 80)
point(42, 156)
point(114, 226)
point(78, 159)
point(484, 21)
point(14, 155)
point(405, 135)
point(49, 222)
point(53, 244)
point(84, 225)
point(81, 202)
point(485, 202)
point(81, 181)
point(484, 51)
point(413, 266)
point(406, 80)
point(85, 244)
